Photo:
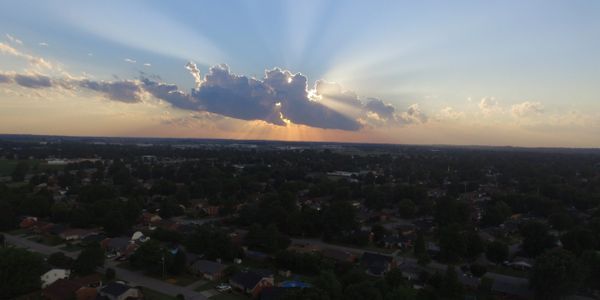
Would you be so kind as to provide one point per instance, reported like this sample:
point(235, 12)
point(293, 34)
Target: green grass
point(184, 279)
point(207, 286)
point(155, 295)
point(71, 248)
point(508, 271)
point(46, 240)
point(7, 166)
point(229, 296)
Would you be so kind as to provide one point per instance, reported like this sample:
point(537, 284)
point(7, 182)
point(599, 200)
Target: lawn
point(229, 296)
point(184, 279)
point(7, 166)
point(207, 286)
point(155, 295)
point(71, 248)
point(46, 240)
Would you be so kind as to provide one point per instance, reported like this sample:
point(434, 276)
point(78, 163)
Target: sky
point(518, 73)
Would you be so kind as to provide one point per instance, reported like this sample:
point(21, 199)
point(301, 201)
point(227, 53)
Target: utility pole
point(163, 266)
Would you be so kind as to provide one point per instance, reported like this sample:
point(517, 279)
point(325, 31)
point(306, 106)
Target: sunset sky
point(520, 73)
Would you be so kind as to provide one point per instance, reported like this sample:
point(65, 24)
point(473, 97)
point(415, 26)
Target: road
point(502, 283)
point(134, 278)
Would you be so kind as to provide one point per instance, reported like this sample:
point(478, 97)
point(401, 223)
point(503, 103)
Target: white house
point(53, 275)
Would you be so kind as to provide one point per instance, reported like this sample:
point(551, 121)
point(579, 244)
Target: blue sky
point(529, 65)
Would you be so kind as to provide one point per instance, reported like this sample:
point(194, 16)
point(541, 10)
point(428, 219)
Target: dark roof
point(94, 238)
point(208, 267)
point(118, 243)
point(247, 279)
point(369, 258)
point(115, 289)
point(61, 289)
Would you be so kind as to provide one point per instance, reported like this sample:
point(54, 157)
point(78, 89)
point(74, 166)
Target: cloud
point(43, 44)
point(489, 105)
point(5, 78)
point(170, 93)
point(34, 81)
point(279, 98)
point(449, 113)
point(527, 108)
point(413, 115)
point(33, 60)
point(147, 65)
point(195, 72)
point(127, 91)
point(13, 39)
point(129, 60)
point(383, 110)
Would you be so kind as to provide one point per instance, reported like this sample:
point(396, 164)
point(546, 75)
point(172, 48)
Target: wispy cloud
point(33, 60)
point(43, 44)
point(13, 39)
point(147, 65)
point(129, 60)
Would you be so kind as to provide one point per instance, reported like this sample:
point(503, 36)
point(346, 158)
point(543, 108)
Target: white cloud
point(13, 39)
point(527, 108)
point(489, 105)
point(33, 60)
point(129, 60)
point(147, 65)
point(43, 44)
point(449, 113)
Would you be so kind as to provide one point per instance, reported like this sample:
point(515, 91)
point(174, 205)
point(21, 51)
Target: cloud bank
point(279, 98)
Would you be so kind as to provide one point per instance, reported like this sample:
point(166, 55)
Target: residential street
point(134, 278)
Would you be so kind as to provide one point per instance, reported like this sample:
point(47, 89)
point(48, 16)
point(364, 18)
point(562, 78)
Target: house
point(115, 245)
point(118, 291)
point(93, 239)
point(75, 234)
point(83, 288)
point(28, 222)
point(61, 289)
point(252, 282)
point(410, 271)
point(209, 269)
point(377, 264)
point(53, 275)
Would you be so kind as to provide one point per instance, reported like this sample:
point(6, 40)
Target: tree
point(474, 244)
point(555, 274)
point(362, 290)
point(60, 260)
point(8, 218)
point(110, 274)
point(178, 265)
point(421, 250)
point(329, 284)
point(578, 240)
point(451, 288)
point(20, 272)
point(407, 208)
point(497, 252)
point(89, 260)
point(452, 243)
point(536, 238)
point(20, 171)
point(394, 278)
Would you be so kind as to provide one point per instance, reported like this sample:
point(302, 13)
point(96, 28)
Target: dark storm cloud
point(279, 96)
point(33, 81)
point(123, 91)
point(5, 78)
point(170, 93)
point(383, 110)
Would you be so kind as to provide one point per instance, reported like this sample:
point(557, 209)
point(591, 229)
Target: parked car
point(223, 287)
